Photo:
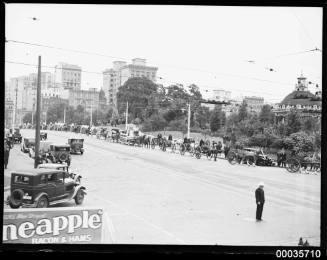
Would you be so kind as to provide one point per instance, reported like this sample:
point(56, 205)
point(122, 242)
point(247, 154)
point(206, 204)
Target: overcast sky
point(205, 45)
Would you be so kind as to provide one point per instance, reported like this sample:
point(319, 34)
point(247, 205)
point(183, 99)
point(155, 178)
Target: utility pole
point(38, 110)
point(15, 108)
point(64, 115)
point(189, 121)
point(126, 116)
point(91, 115)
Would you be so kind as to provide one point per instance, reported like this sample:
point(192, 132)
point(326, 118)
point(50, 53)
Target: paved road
point(164, 198)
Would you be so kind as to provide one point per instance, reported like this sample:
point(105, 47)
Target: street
point(155, 197)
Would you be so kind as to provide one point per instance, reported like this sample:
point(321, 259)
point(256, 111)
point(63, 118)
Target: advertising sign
point(53, 225)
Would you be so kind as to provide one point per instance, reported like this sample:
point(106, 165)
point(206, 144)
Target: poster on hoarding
point(54, 226)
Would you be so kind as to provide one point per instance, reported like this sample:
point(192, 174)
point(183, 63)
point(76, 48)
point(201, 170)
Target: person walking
point(6, 155)
point(260, 200)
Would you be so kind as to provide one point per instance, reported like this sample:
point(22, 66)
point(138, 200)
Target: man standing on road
point(6, 155)
point(260, 200)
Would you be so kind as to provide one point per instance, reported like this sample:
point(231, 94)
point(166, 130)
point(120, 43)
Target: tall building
point(68, 76)
point(221, 95)
point(115, 77)
point(9, 112)
point(254, 103)
point(89, 99)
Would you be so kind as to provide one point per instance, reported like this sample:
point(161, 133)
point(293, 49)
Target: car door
point(60, 186)
point(51, 186)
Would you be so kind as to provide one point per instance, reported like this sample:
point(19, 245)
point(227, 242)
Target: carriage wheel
point(293, 165)
point(232, 158)
point(198, 155)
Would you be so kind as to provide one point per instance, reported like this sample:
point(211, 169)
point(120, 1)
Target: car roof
point(61, 145)
point(34, 172)
point(51, 165)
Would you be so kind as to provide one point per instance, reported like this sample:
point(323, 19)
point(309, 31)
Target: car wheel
point(79, 197)
point(42, 203)
point(16, 199)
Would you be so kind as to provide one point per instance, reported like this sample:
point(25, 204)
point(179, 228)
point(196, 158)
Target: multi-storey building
point(89, 99)
point(221, 95)
point(115, 77)
point(9, 112)
point(254, 104)
point(68, 76)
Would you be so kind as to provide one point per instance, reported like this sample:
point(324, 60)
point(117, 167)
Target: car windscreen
point(21, 179)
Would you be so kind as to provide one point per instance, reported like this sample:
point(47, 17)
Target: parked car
point(44, 151)
point(76, 145)
point(63, 167)
point(17, 135)
point(60, 153)
point(27, 144)
point(40, 188)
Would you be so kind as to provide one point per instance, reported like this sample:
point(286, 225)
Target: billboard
point(54, 226)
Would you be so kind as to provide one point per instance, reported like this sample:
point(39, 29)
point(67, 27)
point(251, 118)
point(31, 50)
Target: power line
point(65, 49)
point(179, 67)
point(174, 83)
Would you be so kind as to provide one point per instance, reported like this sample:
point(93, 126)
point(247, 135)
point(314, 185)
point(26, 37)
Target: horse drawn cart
point(297, 161)
point(250, 156)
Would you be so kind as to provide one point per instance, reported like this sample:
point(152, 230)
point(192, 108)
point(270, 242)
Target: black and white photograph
point(162, 125)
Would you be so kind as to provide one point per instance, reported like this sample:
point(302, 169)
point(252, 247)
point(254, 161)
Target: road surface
point(155, 197)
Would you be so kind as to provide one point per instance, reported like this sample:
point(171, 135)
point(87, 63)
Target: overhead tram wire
point(179, 67)
point(98, 73)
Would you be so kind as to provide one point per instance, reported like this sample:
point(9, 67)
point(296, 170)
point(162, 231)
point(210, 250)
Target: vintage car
point(249, 155)
point(17, 136)
point(27, 144)
point(44, 151)
point(60, 153)
point(76, 145)
point(41, 188)
point(64, 167)
point(43, 136)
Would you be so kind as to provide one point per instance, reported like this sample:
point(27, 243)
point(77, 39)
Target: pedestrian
point(260, 200)
point(226, 150)
point(6, 155)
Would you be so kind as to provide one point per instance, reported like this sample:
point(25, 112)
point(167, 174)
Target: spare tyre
point(16, 199)
point(63, 157)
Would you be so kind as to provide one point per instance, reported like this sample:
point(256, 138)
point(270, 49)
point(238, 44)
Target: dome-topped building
point(301, 99)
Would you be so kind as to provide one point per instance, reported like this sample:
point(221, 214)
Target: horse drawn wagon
point(296, 162)
point(249, 156)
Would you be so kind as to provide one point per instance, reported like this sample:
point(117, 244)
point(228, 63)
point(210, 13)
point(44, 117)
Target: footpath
point(17, 161)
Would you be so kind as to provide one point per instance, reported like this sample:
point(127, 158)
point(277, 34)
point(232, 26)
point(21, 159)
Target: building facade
point(221, 95)
point(89, 99)
point(254, 104)
point(68, 76)
point(302, 100)
point(115, 77)
point(9, 113)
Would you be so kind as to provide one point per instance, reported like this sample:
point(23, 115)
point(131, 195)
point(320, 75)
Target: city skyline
point(234, 59)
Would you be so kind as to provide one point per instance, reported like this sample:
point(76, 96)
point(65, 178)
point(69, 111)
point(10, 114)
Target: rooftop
point(300, 98)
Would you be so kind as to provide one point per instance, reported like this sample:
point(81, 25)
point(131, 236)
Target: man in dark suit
point(260, 200)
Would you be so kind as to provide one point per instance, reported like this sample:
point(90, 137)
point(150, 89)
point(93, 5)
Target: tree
point(266, 115)
point(309, 125)
point(28, 118)
point(138, 92)
point(217, 119)
point(293, 122)
point(242, 112)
